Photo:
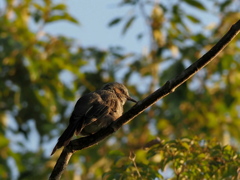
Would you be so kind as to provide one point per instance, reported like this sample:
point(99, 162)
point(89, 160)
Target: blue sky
point(93, 30)
point(94, 17)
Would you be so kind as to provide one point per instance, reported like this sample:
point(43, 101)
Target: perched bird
point(94, 111)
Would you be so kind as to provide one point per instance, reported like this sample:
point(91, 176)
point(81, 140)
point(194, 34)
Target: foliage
point(42, 75)
point(178, 159)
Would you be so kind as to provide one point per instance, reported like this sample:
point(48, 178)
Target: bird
point(95, 111)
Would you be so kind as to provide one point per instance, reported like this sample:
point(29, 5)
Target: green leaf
point(59, 7)
point(193, 19)
point(65, 16)
point(224, 5)
point(114, 21)
point(140, 36)
point(128, 24)
point(37, 6)
point(115, 153)
point(3, 141)
point(37, 16)
point(72, 19)
point(196, 4)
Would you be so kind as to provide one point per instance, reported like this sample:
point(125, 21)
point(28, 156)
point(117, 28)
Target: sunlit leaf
point(65, 16)
point(59, 7)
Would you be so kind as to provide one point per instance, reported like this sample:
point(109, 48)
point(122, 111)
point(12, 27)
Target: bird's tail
point(65, 138)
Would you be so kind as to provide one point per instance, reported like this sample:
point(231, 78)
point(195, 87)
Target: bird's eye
point(118, 91)
point(123, 92)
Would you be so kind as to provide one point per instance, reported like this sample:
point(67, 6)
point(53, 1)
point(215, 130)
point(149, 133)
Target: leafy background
point(192, 133)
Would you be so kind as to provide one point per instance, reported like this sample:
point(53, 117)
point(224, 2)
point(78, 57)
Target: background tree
point(194, 123)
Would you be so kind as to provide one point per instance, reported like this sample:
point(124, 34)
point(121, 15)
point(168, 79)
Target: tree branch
point(61, 164)
point(166, 89)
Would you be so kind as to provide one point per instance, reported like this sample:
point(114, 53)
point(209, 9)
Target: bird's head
point(120, 90)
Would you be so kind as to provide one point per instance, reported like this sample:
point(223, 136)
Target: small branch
point(132, 157)
point(168, 88)
point(61, 164)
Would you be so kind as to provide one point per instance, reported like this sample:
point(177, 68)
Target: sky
point(94, 17)
point(93, 30)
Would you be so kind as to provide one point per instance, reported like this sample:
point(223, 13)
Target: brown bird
point(95, 111)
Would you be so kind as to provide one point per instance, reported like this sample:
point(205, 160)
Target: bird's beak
point(131, 99)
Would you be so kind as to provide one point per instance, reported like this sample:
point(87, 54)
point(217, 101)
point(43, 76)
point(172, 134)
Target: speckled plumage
point(94, 111)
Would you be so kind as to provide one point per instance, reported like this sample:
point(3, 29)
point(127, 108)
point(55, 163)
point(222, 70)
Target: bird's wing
point(83, 105)
point(77, 122)
point(95, 112)
point(90, 108)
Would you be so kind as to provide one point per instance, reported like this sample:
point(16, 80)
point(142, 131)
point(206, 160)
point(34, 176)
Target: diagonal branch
point(166, 89)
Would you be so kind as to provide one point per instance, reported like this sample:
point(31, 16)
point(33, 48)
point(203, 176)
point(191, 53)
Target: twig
point(61, 164)
point(132, 157)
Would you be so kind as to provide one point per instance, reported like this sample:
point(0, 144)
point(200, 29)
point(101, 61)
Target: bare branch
point(168, 88)
point(61, 164)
